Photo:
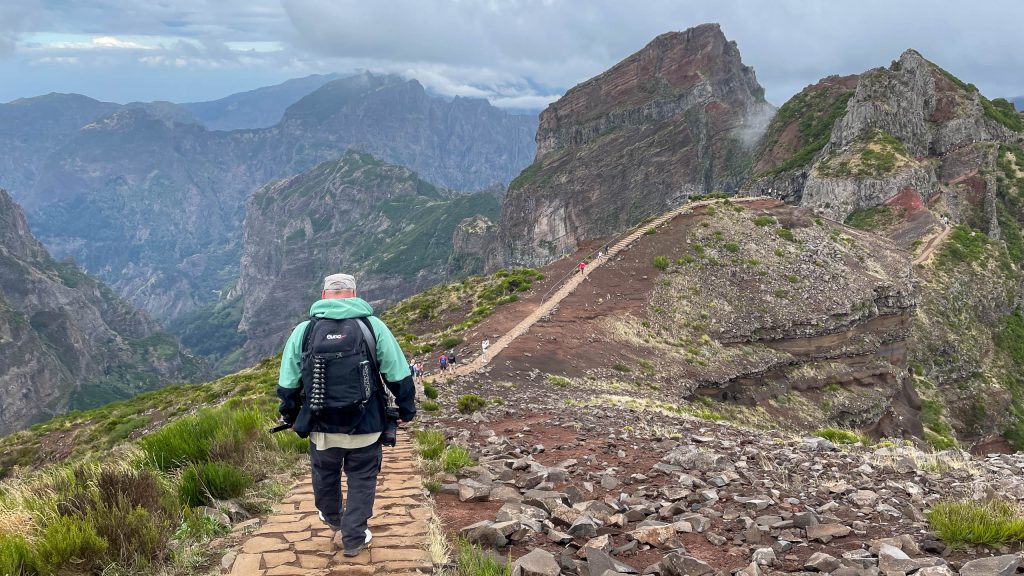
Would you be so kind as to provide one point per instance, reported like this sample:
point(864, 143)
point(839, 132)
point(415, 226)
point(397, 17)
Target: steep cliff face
point(679, 117)
point(65, 339)
point(155, 206)
point(377, 221)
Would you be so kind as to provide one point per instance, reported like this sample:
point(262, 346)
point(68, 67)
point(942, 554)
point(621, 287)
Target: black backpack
point(340, 375)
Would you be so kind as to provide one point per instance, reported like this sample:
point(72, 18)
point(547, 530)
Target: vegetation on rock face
point(874, 155)
point(816, 111)
point(1003, 111)
point(872, 219)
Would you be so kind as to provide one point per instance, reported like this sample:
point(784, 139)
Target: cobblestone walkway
point(294, 542)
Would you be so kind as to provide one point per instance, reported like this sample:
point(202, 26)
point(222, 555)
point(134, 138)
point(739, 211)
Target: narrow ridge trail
point(574, 281)
point(932, 245)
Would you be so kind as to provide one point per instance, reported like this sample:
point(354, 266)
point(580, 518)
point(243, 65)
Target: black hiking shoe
point(350, 552)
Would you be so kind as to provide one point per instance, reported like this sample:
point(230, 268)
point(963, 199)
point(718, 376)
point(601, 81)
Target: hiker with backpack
point(338, 372)
point(442, 363)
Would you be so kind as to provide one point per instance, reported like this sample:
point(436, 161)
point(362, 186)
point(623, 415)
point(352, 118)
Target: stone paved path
point(294, 542)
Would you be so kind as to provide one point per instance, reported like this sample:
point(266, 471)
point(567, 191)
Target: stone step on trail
point(294, 542)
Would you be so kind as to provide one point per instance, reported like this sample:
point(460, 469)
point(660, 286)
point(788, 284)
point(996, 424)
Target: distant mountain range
point(153, 203)
point(259, 108)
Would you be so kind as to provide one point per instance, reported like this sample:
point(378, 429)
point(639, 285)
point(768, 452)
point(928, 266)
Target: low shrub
point(620, 367)
point(455, 458)
point(840, 436)
point(764, 220)
point(732, 247)
point(785, 234)
point(430, 443)
point(450, 341)
point(471, 560)
point(660, 262)
point(201, 483)
point(430, 391)
point(992, 523)
point(430, 406)
point(71, 540)
point(469, 403)
point(558, 381)
point(433, 485)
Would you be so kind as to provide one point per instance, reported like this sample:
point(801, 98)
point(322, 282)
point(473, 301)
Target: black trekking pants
point(361, 466)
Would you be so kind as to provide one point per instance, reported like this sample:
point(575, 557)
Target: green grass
point(430, 443)
point(429, 390)
point(620, 367)
point(471, 560)
point(660, 262)
point(558, 381)
point(992, 523)
point(430, 406)
point(964, 246)
point(785, 234)
point(1002, 111)
point(764, 220)
point(433, 485)
point(469, 403)
point(840, 436)
point(203, 483)
point(455, 458)
point(732, 247)
point(872, 219)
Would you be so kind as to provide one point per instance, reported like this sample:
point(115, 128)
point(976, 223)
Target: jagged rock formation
point(377, 221)
point(65, 339)
point(909, 152)
point(851, 143)
point(680, 117)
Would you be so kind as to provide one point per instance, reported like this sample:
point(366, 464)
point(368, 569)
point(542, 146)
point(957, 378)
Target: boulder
point(678, 564)
point(821, 562)
point(995, 566)
point(537, 563)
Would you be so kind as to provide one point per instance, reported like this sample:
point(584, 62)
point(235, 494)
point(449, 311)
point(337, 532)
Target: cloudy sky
point(517, 53)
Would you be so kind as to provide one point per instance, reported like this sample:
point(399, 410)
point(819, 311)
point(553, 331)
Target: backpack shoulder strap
point(370, 337)
point(306, 335)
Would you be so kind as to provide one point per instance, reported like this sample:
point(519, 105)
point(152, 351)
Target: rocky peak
point(699, 60)
point(15, 237)
point(679, 117)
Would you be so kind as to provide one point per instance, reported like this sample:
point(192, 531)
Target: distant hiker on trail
point(451, 358)
point(442, 363)
point(418, 372)
point(483, 347)
point(582, 267)
point(331, 391)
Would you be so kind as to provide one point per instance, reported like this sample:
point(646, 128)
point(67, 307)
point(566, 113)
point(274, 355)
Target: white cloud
point(514, 52)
